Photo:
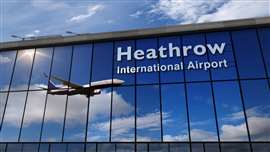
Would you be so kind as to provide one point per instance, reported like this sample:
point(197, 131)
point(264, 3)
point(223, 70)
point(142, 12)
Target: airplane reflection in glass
point(74, 89)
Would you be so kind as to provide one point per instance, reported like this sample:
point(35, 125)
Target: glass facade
point(202, 109)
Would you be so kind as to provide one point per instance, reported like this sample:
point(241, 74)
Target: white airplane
point(88, 89)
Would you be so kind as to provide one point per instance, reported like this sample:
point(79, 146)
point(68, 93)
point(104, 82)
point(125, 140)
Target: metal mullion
point(160, 97)
point(66, 103)
point(10, 82)
point(262, 56)
point(110, 131)
point(241, 92)
point(213, 96)
point(46, 98)
point(88, 102)
point(135, 102)
point(26, 98)
point(186, 97)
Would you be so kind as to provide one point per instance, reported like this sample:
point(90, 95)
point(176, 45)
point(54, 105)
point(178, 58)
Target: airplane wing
point(65, 82)
point(106, 83)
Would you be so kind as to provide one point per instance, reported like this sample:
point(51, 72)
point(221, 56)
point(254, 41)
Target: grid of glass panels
point(217, 105)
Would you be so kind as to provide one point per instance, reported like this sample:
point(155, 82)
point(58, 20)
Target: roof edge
point(120, 35)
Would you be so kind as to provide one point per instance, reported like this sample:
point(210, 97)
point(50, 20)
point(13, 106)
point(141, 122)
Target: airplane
point(94, 88)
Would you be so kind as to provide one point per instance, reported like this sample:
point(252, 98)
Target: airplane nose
point(118, 81)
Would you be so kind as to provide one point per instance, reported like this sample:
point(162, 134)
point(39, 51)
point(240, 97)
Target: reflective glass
point(43, 148)
point(158, 147)
point(261, 147)
point(125, 75)
point(264, 35)
point(124, 147)
point(174, 115)
point(196, 147)
point(57, 95)
point(75, 148)
point(148, 113)
point(13, 117)
point(248, 56)
point(224, 73)
point(257, 102)
point(58, 147)
point(235, 147)
point(106, 148)
point(171, 76)
point(179, 147)
point(22, 69)
point(41, 67)
point(211, 147)
point(231, 119)
point(102, 62)
point(7, 59)
point(91, 147)
point(77, 102)
point(14, 147)
point(142, 147)
point(2, 147)
point(3, 100)
point(99, 116)
point(30, 147)
point(33, 116)
point(191, 58)
point(146, 77)
point(123, 114)
point(201, 112)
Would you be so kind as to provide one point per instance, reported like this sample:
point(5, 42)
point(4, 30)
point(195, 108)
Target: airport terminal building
point(187, 88)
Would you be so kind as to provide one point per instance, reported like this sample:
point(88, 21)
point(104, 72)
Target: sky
point(28, 18)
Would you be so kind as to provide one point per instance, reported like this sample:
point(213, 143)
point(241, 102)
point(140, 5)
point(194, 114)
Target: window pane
point(106, 148)
point(257, 102)
point(211, 147)
point(171, 76)
point(235, 147)
point(91, 147)
point(231, 120)
point(14, 148)
point(175, 127)
point(222, 73)
point(123, 114)
point(264, 34)
point(2, 147)
point(158, 147)
point(196, 147)
point(30, 147)
point(194, 74)
point(43, 148)
point(13, 116)
point(58, 147)
point(248, 55)
point(33, 116)
point(201, 112)
point(123, 147)
point(56, 102)
point(22, 69)
point(78, 101)
point(179, 147)
point(3, 100)
point(41, 65)
point(146, 77)
point(7, 59)
point(148, 113)
point(75, 148)
point(102, 61)
point(119, 66)
point(261, 147)
point(141, 148)
point(99, 116)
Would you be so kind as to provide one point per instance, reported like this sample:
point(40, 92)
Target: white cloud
point(4, 59)
point(92, 10)
point(33, 33)
point(137, 14)
point(186, 11)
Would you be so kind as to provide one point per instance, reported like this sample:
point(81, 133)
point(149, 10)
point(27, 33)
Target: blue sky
point(51, 17)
